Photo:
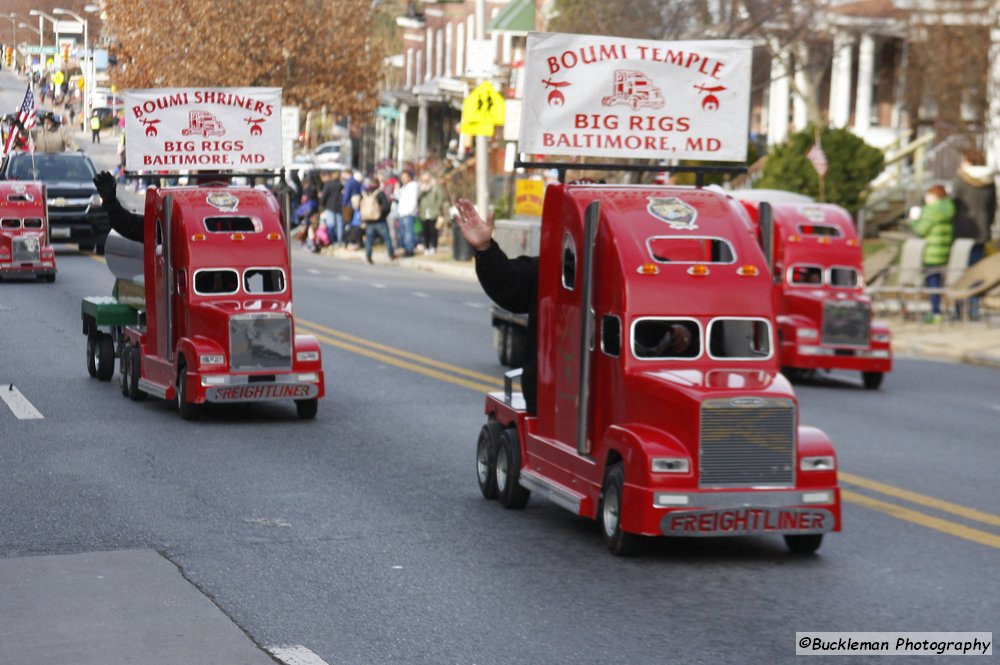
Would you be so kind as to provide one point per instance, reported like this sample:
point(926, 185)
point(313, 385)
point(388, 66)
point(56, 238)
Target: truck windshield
point(805, 275)
point(10, 223)
point(215, 282)
point(264, 280)
point(230, 225)
point(844, 277)
point(32, 223)
point(666, 338)
point(739, 339)
point(820, 230)
point(690, 249)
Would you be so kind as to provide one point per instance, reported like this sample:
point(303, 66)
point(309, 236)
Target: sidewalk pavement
point(976, 342)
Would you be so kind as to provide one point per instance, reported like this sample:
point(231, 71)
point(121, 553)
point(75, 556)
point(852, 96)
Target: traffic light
point(8, 56)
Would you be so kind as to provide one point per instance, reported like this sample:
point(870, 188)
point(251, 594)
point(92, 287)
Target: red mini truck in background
point(25, 250)
point(206, 317)
point(649, 438)
point(824, 317)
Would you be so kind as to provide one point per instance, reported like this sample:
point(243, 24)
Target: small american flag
point(26, 118)
point(818, 158)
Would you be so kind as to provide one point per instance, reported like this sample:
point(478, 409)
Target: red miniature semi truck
point(25, 250)
point(824, 317)
point(649, 440)
point(202, 311)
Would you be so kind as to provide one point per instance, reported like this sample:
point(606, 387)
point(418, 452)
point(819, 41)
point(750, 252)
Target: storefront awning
point(518, 16)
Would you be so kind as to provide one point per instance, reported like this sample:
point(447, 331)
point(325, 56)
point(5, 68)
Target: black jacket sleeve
point(510, 283)
point(128, 224)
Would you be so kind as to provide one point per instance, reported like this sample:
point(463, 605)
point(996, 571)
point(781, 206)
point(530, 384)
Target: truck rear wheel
point(619, 542)
point(307, 408)
point(508, 471)
point(486, 458)
point(123, 368)
point(804, 544)
point(134, 373)
point(872, 380)
point(188, 410)
point(101, 356)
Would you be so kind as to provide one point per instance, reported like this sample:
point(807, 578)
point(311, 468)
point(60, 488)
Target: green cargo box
point(106, 311)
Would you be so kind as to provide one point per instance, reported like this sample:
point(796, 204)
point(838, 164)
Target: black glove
point(106, 185)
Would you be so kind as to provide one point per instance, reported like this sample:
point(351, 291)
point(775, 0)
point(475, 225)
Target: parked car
point(75, 210)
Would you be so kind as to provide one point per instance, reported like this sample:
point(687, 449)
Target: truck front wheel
point(134, 372)
point(508, 471)
point(872, 379)
point(619, 542)
point(804, 544)
point(486, 458)
point(188, 410)
point(307, 408)
point(123, 368)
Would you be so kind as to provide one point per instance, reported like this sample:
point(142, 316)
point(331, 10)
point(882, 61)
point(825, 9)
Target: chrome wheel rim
point(482, 463)
point(501, 470)
point(609, 515)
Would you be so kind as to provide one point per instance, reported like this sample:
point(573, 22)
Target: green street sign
point(42, 50)
point(389, 112)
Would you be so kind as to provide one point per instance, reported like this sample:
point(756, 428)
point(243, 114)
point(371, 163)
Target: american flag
point(26, 118)
point(818, 158)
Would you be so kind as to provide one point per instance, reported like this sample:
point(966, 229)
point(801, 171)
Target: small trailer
point(25, 250)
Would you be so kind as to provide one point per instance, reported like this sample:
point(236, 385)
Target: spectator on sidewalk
point(330, 200)
point(408, 198)
point(975, 196)
point(935, 224)
point(351, 194)
point(378, 226)
point(431, 200)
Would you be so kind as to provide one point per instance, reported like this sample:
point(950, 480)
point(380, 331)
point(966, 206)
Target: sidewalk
point(977, 343)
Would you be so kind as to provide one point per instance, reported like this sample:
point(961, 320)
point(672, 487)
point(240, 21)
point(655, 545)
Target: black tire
point(123, 368)
point(134, 374)
point(486, 458)
point(804, 544)
point(307, 408)
point(188, 410)
point(92, 354)
point(85, 247)
point(508, 471)
point(104, 357)
point(502, 331)
point(515, 346)
point(619, 542)
point(50, 278)
point(794, 374)
point(872, 380)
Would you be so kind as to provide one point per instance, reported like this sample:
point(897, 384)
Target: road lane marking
point(18, 403)
point(475, 305)
point(916, 517)
point(296, 655)
point(420, 294)
point(492, 381)
point(921, 499)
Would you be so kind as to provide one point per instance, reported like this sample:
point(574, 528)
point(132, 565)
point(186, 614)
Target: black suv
point(75, 210)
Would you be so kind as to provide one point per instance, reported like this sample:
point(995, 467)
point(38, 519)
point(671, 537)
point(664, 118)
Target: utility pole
point(482, 142)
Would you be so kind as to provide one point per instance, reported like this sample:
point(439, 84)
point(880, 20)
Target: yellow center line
point(413, 367)
point(921, 499)
point(936, 523)
point(493, 381)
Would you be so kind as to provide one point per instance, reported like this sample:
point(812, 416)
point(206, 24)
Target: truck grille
point(26, 248)
point(260, 342)
point(747, 441)
point(846, 322)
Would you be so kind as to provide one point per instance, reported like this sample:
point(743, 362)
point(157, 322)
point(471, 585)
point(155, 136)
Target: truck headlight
point(311, 377)
point(670, 465)
point(817, 463)
point(307, 356)
point(211, 359)
point(807, 333)
point(214, 380)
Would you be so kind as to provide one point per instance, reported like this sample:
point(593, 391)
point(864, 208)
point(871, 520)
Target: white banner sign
point(203, 129)
point(613, 97)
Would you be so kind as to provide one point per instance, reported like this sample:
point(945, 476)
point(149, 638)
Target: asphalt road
point(362, 535)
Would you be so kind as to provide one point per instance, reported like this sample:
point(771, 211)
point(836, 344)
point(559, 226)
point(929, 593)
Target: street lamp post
point(55, 29)
point(26, 26)
point(86, 69)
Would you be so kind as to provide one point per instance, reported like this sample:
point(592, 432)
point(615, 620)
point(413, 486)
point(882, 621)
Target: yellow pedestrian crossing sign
point(482, 110)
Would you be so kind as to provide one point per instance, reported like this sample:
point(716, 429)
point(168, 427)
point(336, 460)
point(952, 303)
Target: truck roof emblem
point(673, 211)
point(224, 201)
point(812, 213)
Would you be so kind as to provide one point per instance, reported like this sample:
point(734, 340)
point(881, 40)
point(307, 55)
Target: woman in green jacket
point(936, 225)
